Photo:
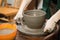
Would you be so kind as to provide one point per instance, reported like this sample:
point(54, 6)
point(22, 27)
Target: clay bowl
point(34, 19)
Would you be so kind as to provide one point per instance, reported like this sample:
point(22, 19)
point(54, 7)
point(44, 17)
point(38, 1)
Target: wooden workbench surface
point(8, 11)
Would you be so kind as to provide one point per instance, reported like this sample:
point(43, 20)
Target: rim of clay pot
point(44, 13)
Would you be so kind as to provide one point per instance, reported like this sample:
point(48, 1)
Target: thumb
point(45, 29)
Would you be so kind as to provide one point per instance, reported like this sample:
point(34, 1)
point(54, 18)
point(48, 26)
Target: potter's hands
point(18, 16)
point(49, 26)
point(24, 4)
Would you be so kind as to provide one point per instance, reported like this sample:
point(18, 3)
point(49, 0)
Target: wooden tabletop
point(8, 11)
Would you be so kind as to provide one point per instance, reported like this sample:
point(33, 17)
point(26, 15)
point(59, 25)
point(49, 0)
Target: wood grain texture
point(0, 2)
point(8, 11)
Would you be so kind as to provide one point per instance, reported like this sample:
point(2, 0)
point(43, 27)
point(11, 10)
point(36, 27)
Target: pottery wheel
point(24, 29)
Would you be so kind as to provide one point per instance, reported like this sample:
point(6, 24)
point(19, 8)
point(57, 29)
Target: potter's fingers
point(46, 29)
point(16, 17)
point(49, 28)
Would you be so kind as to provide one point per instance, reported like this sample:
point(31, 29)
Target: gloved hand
point(24, 4)
point(49, 26)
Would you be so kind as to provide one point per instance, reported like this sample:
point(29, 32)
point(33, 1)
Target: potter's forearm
point(24, 4)
point(56, 16)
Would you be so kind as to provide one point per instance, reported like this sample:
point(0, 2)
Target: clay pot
point(34, 19)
